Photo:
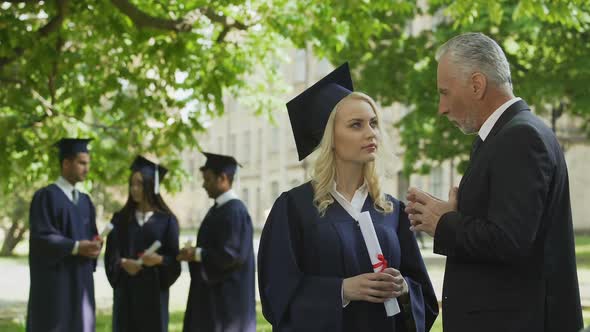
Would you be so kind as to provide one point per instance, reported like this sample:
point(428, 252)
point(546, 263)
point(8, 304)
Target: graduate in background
point(141, 290)
point(314, 271)
point(221, 297)
point(62, 249)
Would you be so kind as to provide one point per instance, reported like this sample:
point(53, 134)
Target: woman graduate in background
point(141, 290)
point(314, 270)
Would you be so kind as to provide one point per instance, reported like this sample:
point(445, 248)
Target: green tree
point(546, 42)
point(143, 77)
point(138, 77)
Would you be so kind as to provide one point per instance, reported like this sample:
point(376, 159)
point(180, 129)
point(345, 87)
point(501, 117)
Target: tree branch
point(225, 21)
point(22, 1)
point(54, 69)
point(145, 20)
point(98, 125)
point(222, 34)
point(18, 51)
point(56, 21)
point(43, 32)
point(139, 18)
point(53, 25)
point(11, 80)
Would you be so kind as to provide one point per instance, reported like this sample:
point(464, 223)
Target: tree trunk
point(12, 237)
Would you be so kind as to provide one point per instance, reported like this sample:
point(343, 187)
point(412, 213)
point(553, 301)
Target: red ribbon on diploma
point(382, 263)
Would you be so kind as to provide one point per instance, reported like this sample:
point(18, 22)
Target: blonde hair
point(324, 168)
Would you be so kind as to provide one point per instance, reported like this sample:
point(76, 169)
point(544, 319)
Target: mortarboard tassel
point(156, 181)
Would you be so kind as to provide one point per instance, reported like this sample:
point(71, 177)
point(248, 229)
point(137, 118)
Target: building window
point(274, 191)
point(220, 142)
point(417, 181)
point(403, 183)
point(323, 68)
point(245, 153)
point(261, 144)
point(232, 144)
point(191, 165)
point(193, 172)
point(230, 105)
point(300, 69)
point(436, 182)
point(245, 197)
point(259, 206)
point(276, 140)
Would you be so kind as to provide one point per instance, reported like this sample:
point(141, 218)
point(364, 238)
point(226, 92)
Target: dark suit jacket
point(510, 246)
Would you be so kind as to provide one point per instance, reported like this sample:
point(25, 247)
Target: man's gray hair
point(476, 52)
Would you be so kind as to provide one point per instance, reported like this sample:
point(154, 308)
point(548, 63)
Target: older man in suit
point(507, 230)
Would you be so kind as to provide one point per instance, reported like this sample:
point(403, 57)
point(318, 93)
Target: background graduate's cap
point(309, 111)
point(72, 146)
point(220, 163)
point(149, 169)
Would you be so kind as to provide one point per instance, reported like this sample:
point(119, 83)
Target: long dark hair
point(154, 200)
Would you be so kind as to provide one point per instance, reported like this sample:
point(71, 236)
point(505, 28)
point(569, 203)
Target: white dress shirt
point(225, 197)
point(66, 187)
point(487, 126)
point(355, 206)
point(142, 217)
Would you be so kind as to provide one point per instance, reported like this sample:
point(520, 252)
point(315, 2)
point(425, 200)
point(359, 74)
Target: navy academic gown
point(140, 302)
point(221, 296)
point(61, 296)
point(303, 258)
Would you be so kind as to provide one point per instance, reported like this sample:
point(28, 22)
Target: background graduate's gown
point(141, 301)
point(221, 297)
point(303, 258)
point(61, 296)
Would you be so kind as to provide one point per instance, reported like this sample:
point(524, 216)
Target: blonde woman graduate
point(315, 273)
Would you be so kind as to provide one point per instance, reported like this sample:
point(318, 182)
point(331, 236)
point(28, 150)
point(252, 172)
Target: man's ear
point(223, 177)
point(66, 164)
point(479, 84)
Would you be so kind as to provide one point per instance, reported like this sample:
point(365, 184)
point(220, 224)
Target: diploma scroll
point(188, 243)
point(105, 232)
point(152, 249)
point(376, 255)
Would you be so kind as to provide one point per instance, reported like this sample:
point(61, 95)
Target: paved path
point(14, 284)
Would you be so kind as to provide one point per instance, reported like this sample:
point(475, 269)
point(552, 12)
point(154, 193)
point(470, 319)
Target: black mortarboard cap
point(309, 111)
point(220, 163)
point(147, 167)
point(72, 146)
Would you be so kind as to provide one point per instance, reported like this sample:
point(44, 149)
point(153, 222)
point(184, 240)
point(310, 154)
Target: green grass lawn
point(103, 323)
point(23, 259)
point(10, 326)
point(583, 251)
point(582, 240)
point(104, 318)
